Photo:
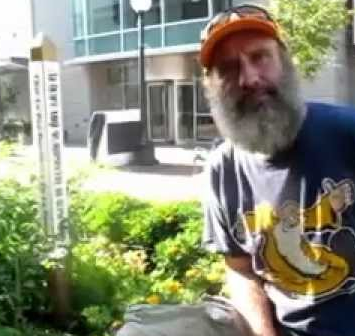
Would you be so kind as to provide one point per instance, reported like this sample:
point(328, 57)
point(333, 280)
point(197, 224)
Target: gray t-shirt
point(294, 216)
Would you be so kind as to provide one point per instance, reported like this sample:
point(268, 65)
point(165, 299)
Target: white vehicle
point(114, 136)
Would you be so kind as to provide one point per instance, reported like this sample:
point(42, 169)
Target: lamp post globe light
point(141, 5)
point(146, 153)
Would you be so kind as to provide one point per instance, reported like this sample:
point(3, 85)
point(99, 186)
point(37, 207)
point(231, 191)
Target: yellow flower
point(116, 324)
point(173, 286)
point(213, 277)
point(192, 273)
point(153, 299)
point(173, 250)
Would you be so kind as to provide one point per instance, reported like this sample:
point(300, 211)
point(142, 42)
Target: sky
point(15, 27)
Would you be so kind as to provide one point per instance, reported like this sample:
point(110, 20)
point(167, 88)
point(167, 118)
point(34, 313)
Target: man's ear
point(206, 77)
point(285, 57)
point(209, 75)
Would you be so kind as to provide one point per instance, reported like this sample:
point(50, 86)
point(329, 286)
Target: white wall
point(54, 19)
point(104, 96)
point(331, 84)
point(101, 97)
point(76, 103)
point(175, 67)
point(158, 68)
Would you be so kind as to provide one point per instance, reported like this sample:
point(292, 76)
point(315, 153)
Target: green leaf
point(310, 27)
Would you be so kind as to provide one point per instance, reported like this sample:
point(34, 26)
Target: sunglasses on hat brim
point(240, 18)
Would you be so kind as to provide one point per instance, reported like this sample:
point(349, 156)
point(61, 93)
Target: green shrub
point(101, 214)
point(22, 247)
point(106, 279)
point(5, 331)
point(125, 251)
point(175, 254)
point(107, 272)
point(205, 276)
point(31, 330)
point(148, 226)
point(183, 270)
point(98, 316)
point(137, 252)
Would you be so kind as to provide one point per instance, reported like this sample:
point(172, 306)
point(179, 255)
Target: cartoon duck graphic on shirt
point(291, 260)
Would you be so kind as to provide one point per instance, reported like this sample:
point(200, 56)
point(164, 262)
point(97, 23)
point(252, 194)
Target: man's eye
point(260, 57)
point(228, 68)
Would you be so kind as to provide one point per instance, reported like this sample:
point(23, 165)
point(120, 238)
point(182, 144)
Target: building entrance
point(185, 111)
point(159, 97)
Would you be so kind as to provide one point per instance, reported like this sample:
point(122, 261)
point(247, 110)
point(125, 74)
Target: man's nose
point(249, 77)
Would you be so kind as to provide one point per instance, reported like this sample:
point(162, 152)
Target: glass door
point(185, 111)
point(158, 111)
point(205, 127)
point(194, 122)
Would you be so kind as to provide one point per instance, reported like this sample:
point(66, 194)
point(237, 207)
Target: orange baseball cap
point(241, 18)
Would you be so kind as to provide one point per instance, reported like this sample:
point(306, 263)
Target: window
point(103, 16)
point(202, 104)
point(104, 44)
point(206, 129)
point(185, 111)
point(152, 17)
point(131, 88)
point(187, 33)
point(122, 84)
point(129, 15)
point(131, 96)
point(179, 10)
point(131, 72)
point(79, 48)
point(78, 18)
point(221, 5)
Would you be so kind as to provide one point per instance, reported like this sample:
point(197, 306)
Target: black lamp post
point(146, 153)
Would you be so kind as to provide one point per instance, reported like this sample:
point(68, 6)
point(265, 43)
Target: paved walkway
point(176, 177)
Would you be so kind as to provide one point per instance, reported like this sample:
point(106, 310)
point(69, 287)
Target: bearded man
point(280, 204)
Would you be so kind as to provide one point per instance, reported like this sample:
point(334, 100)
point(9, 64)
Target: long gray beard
point(263, 128)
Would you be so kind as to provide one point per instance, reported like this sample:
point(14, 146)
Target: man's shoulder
point(328, 110)
point(331, 116)
point(222, 154)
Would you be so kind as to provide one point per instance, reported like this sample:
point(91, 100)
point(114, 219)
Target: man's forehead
point(245, 42)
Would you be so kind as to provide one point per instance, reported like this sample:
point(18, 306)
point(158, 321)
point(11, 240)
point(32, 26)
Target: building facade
point(97, 44)
point(15, 36)
point(105, 41)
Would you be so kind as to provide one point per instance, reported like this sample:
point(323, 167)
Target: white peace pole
point(45, 89)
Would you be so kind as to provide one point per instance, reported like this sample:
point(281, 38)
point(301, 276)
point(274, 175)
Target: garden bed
point(124, 251)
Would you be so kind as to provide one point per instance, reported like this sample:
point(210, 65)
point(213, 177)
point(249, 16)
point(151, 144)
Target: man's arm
point(248, 296)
